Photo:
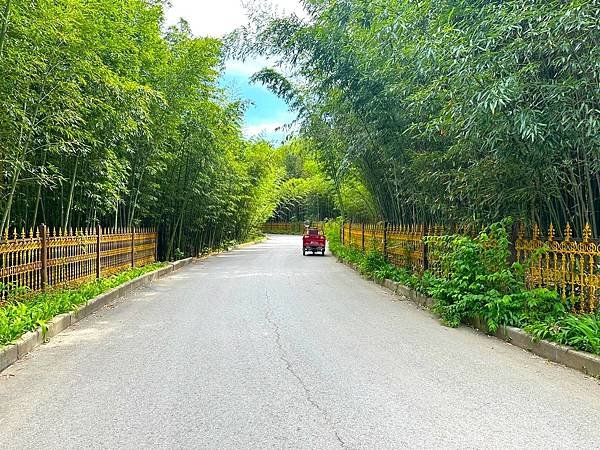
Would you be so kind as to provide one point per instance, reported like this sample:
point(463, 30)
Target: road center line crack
point(290, 368)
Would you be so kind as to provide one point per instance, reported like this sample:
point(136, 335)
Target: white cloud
point(262, 128)
point(247, 68)
point(273, 129)
point(217, 18)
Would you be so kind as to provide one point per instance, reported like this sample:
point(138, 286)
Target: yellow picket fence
point(569, 265)
point(50, 257)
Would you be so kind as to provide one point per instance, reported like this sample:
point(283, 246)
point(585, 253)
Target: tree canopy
point(454, 111)
point(108, 119)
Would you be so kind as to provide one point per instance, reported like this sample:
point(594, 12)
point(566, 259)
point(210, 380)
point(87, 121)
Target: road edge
point(587, 363)
point(233, 247)
point(11, 353)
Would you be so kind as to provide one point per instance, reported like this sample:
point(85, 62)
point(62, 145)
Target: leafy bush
point(371, 263)
point(26, 312)
point(178, 254)
point(481, 283)
point(579, 331)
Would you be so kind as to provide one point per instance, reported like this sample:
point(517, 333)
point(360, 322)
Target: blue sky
point(266, 112)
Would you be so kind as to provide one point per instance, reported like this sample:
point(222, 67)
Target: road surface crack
point(290, 368)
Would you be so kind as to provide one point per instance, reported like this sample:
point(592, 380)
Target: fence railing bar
point(57, 257)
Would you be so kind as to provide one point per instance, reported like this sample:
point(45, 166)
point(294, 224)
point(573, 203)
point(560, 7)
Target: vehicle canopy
point(312, 231)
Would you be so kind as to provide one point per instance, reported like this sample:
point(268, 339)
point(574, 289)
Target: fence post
point(342, 232)
point(385, 243)
point(155, 244)
point(44, 254)
point(425, 249)
point(514, 235)
point(98, 260)
point(363, 236)
point(350, 233)
point(132, 247)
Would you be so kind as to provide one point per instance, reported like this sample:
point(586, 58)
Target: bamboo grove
point(303, 192)
point(107, 118)
point(449, 111)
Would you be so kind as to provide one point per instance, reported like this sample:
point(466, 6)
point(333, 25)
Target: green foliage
point(371, 263)
point(178, 254)
point(110, 118)
point(24, 313)
point(579, 331)
point(446, 111)
point(479, 280)
point(303, 190)
point(480, 283)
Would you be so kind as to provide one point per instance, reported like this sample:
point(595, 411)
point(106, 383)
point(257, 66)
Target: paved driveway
point(265, 348)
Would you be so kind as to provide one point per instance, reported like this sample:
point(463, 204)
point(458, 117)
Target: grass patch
point(26, 311)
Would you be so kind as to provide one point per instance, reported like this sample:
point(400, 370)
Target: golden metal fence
point(374, 237)
point(437, 246)
point(346, 233)
point(570, 266)
point(364, 237)
point(50, 257)
point(287, 227)
point(355, 236)
point(406, 247)
point(403, 245)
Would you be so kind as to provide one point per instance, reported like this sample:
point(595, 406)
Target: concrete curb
point(584, 362)
point(235, 247)
point(249, 244)
point(561, 354)
point(32, 339)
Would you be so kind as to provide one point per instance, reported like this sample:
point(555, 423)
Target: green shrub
point(579, 331)
point(26, 311)
point(481, 283)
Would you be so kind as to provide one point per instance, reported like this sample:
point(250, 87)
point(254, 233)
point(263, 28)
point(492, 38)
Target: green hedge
point(26, 311)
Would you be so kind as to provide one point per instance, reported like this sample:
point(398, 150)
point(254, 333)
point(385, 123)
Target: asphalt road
point(265, 348)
